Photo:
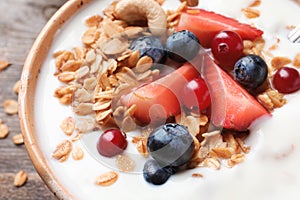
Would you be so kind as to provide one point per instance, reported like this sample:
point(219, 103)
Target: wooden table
point(20, 23)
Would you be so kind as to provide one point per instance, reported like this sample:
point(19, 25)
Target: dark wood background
point(20, 23)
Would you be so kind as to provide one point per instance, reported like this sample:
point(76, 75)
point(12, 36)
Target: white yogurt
point(270, 171)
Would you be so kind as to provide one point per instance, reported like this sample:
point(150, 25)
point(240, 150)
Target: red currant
point(196, 95)
point(112, 142)
point(227, 47)
point(286, 80)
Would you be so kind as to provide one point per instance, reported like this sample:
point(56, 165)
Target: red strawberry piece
point(205, 25)
point(232, 106)
point(157, 101)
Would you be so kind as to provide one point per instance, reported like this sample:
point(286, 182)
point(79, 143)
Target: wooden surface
point(20, 23)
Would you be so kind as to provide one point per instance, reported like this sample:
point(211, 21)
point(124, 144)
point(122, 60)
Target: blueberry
point(182, 46)
point(171, 145)
point(250, 71)
point(149, 46)
point(155, 174)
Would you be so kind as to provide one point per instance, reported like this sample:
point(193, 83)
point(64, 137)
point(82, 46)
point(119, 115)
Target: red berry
point(112, 142)
point(232, 107)
point(227, 47)
point(205, 25)
point(286, 80)
point(196, 95)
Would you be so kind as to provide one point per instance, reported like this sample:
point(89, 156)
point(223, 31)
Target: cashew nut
point(137, 10)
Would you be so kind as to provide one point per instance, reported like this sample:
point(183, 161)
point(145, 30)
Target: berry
point(196, 95)
point(171, 145)
point(286, 80)
point(205, 25)
point(182, 46)
point(155, 174)
point(157, 101)
point(250, 71)
point(112, 142)
point(232, 107)
point(149, 46)
point(227, 47)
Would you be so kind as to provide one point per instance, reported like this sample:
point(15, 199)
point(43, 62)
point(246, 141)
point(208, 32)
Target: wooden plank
point(20, 23)
point(33, 188)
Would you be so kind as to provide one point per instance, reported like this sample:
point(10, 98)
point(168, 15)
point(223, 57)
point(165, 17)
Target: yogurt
point(270, 170)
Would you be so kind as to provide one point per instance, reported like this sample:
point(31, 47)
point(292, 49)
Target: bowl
point(41, 114)
point(29, 77)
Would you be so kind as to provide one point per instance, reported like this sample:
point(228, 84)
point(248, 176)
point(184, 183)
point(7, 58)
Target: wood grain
point(20, 23)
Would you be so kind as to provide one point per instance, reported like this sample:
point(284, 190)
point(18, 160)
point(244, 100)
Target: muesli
point(143, 69)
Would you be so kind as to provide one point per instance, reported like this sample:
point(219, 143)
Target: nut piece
point(20, 178)
point(136, 10)
point(107, 179)
point(18, 139)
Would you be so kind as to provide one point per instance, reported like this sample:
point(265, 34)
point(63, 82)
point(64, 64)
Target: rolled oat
point(17, 86)
point(10, 107)
point(251, 12)
point(77, 153)
point(4, 65)
point(18, 139)
point(62, 151)
point(296, 61)
point(124, 163)
point(107, 179)
point(68, 125)
point(3, 131)
point(20, 178)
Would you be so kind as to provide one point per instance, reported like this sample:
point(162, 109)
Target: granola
point(62, 151)
point(95, 76)
point(10, 106)
point(4, 131)
point(20, 178)
point(4, 65)
point(107, 178)
point(18, 139)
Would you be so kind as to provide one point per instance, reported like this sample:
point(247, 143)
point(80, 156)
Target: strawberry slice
point(158, 100)
point(232, 106)
point(206, 25)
